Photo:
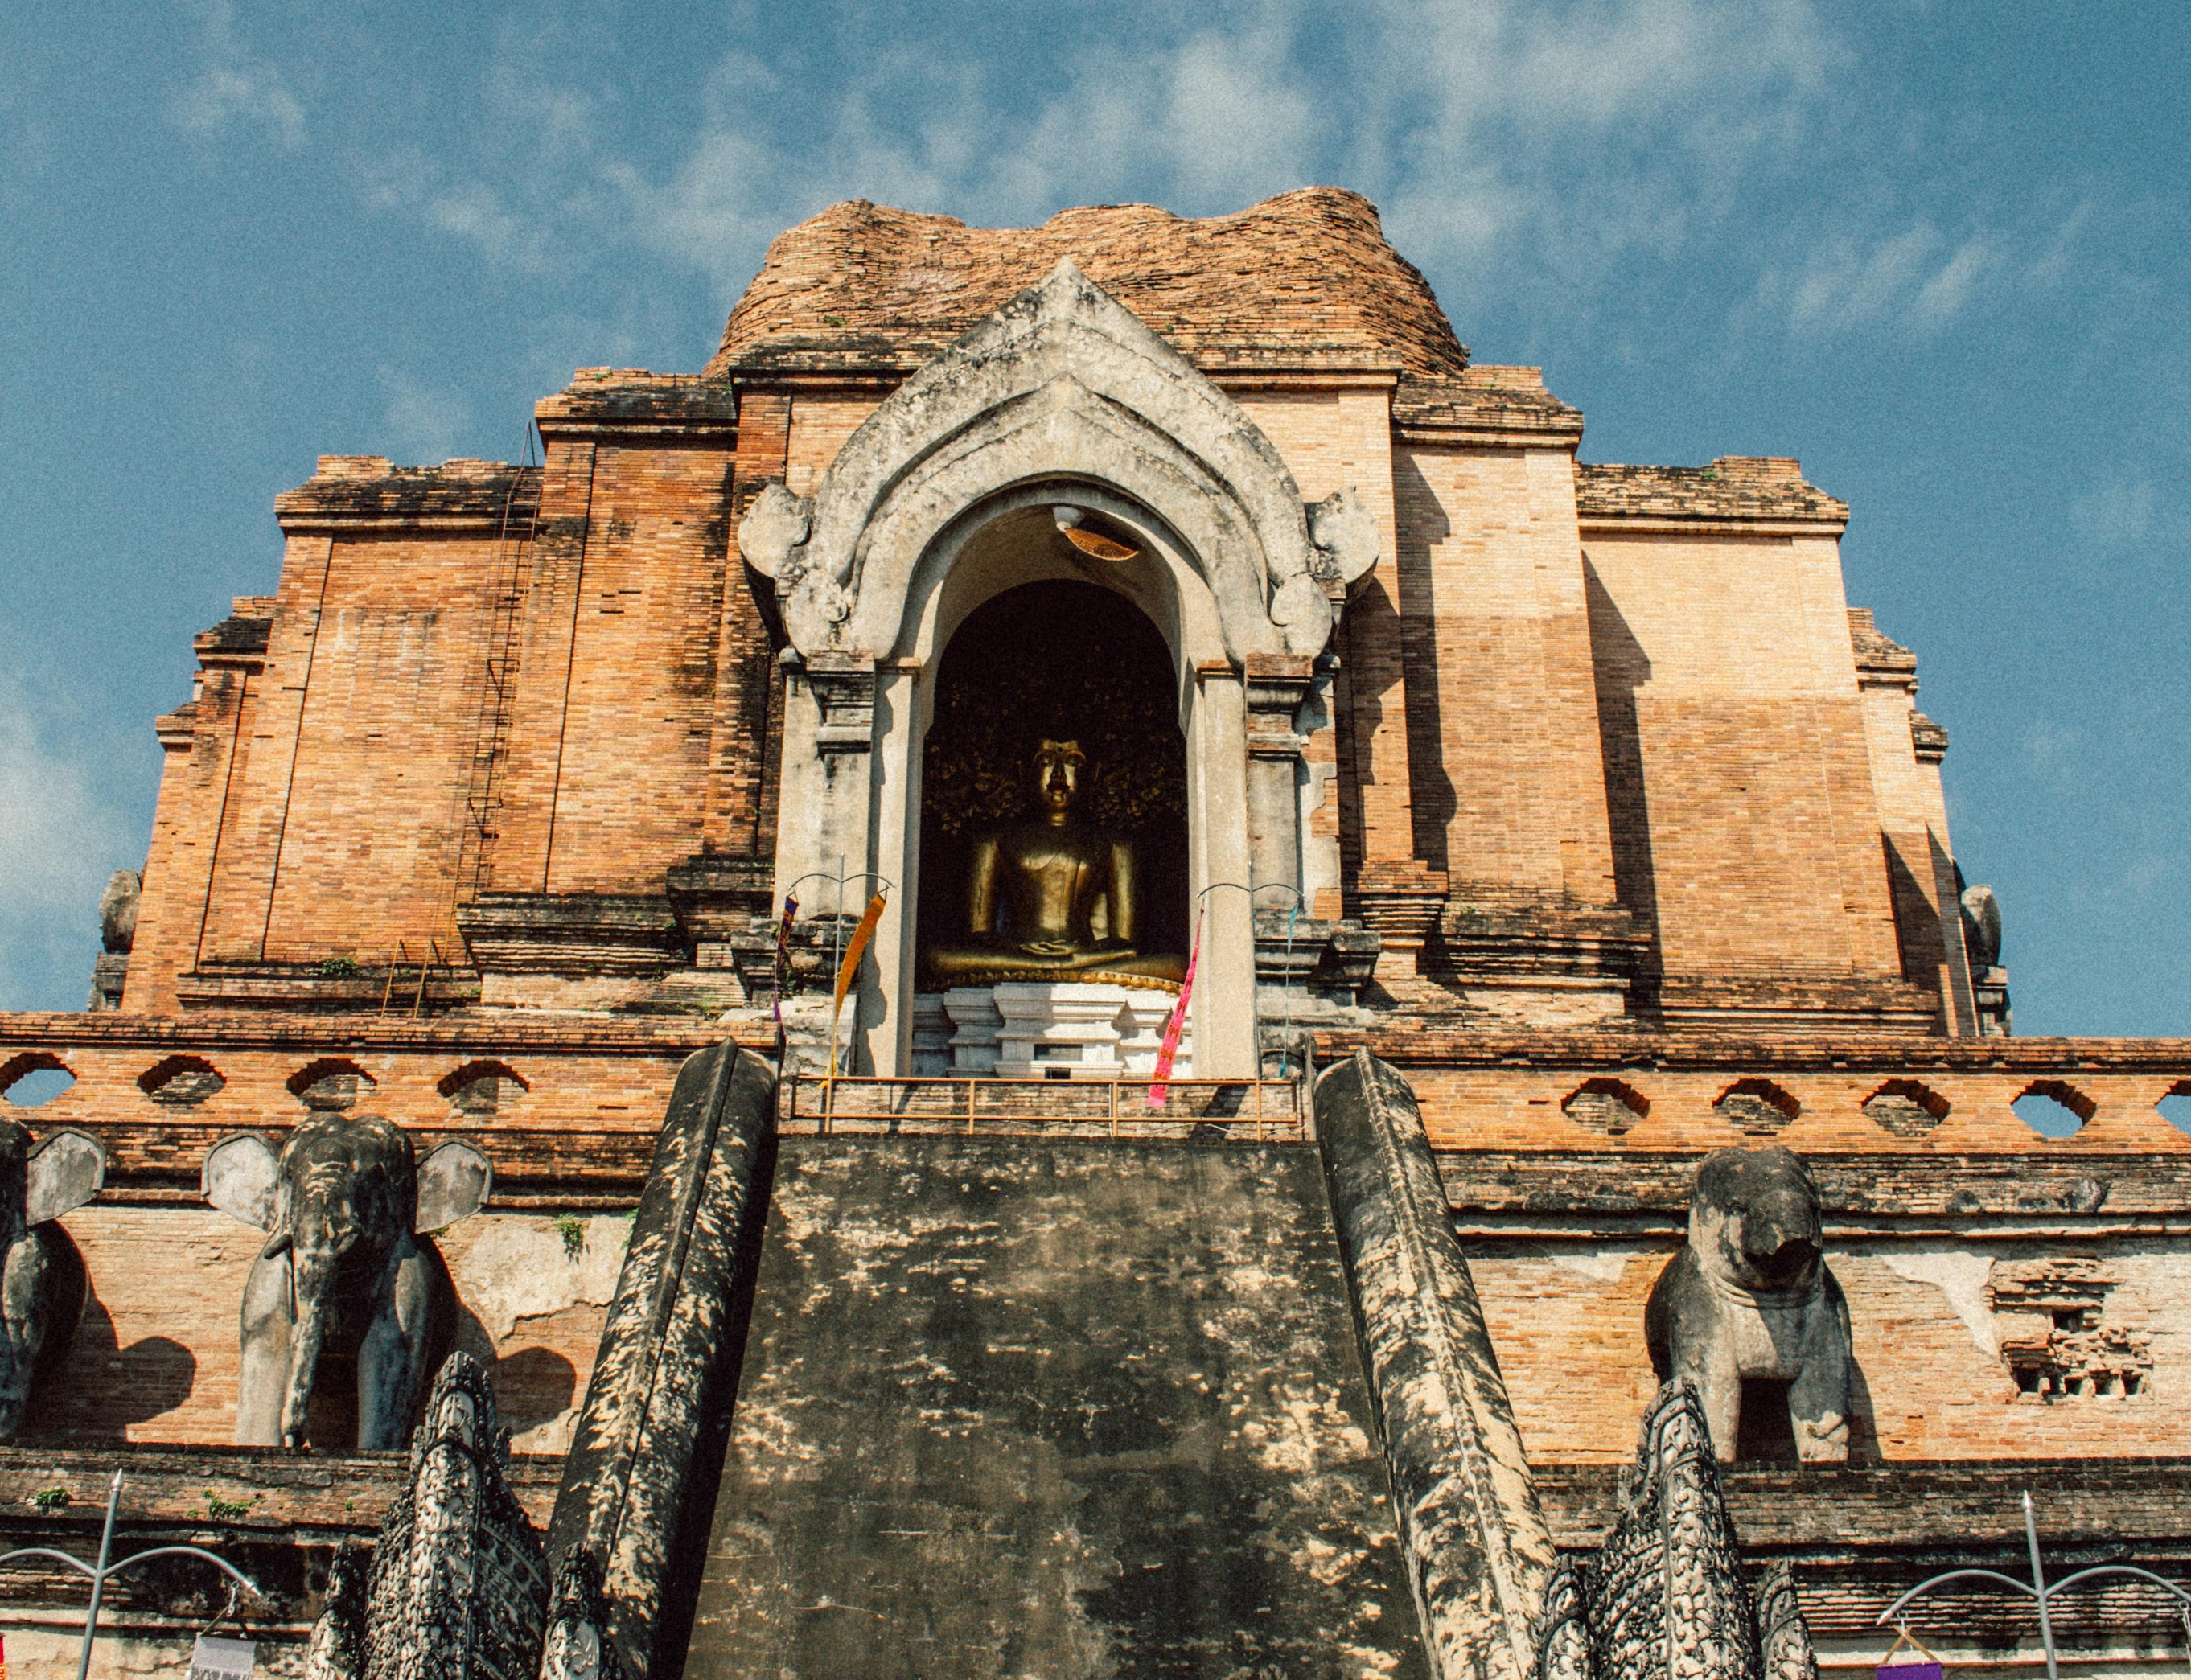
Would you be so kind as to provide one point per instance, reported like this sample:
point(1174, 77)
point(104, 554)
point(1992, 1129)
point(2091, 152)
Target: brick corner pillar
point(746, 716)
point(1477, 1551)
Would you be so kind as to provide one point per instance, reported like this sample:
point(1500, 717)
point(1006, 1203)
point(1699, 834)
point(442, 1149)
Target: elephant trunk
point(312, 1274)
point(1781, 1235)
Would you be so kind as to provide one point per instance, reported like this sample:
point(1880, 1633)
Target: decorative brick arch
point(1757, 1108)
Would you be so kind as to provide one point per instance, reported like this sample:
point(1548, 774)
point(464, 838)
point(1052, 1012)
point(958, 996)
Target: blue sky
point(1939, 251)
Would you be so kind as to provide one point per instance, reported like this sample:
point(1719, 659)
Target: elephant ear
point(64, 1171)
point(240, 1176)
point(452, 1182)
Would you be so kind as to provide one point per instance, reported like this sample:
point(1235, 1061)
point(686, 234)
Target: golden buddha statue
point(1065, 893)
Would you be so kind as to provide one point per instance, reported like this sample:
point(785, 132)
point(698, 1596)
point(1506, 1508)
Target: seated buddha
point(1051, 899)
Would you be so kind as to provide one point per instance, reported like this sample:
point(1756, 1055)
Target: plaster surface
point(1013, 1407)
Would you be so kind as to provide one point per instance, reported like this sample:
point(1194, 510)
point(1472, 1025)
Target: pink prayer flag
point(1159, 1090)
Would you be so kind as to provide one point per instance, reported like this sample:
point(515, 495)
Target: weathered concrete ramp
point(1012, 1406)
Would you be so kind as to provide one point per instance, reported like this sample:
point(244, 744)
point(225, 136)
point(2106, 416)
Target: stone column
point(1276, 686)
point(826, 821)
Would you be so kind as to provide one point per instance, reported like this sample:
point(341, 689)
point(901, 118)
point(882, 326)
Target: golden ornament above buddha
point(1051, 899)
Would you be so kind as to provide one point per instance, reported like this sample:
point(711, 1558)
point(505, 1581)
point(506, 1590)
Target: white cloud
point(232, 87)
point(2118, 514)
point(1486, 128)
point(427, 424)
point(1918, 279)
point(59, 841)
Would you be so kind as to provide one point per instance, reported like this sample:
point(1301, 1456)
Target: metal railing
point(1265, 1111)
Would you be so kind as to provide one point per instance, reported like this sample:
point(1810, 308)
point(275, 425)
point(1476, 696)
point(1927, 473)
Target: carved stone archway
point(1062, 397)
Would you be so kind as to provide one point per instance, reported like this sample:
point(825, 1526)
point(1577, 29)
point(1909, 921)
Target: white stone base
point(974, 1021)
point(931, 1035)
point(1060, 1029)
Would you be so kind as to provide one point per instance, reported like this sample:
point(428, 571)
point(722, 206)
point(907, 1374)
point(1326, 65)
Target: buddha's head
point(1058, 765)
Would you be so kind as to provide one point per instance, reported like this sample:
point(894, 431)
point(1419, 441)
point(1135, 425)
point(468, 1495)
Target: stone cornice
point(352, 494)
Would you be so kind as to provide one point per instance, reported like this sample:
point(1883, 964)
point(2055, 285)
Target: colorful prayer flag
point(1160, 1092)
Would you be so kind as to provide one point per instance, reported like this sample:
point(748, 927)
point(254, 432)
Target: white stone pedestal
point(975, 1020)
point(1061, 1029)
point(931, 1035)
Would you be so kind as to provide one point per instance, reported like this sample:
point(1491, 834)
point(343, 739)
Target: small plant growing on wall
point(52, 1499)
point(219, 1508)
point(572, 1229)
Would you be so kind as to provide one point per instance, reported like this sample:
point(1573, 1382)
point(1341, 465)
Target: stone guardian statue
point(43, 1285)
point(348, 1263)
point(1749, 1295)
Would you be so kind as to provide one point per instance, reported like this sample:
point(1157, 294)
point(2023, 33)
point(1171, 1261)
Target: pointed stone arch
point(1062, 384)
point(1061, 397)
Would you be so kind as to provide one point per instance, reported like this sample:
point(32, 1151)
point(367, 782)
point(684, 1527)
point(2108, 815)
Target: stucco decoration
point(1665, 1597)
point(777, 523)
point(1345, 533)
point(1061, 384)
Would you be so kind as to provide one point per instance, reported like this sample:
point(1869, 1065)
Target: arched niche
point(940, 500)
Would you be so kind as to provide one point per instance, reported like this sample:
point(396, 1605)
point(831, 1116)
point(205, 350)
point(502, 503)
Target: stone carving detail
point(348, 1266)
point(1665, 1598)
point(578, 1645)
point(44, 1286)
point(1478, 1553)
point(1748, 1296)
point(336, 1649)
point(117, 932)
point(772, 535)
point(458, 1589)
point(1982, 926)
point(1063, 381)
point(117, 910)
point(1347, 542)
point(2049, 1314)
point(1784, 1641)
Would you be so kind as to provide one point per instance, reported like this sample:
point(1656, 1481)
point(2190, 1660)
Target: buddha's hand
point(1050, 948)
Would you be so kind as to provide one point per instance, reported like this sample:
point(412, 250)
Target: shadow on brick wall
point(102, 1387)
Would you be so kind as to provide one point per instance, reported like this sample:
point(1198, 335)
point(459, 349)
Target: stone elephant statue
point(1749, 1295)
point(44, 1286)
point(348, 1268)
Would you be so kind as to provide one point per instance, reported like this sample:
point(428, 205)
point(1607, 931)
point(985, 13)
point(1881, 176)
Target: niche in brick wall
point(479, 1091)
point(31, 1078)
point(330, 1085)
point(1606, 1106)
point(2176, 1106)
point(2054, 1107)
point(1756, 1108)
point(1905, 1108)
point(2064, 1333)
point(180, 1081)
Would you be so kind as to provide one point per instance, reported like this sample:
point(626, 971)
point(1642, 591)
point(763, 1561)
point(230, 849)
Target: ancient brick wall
point(1567, 1317)
point(371, 809)
point(156, 1359)
point(205, 745)
point(1737, 754)
point(1510, 785)
point(630, 786)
